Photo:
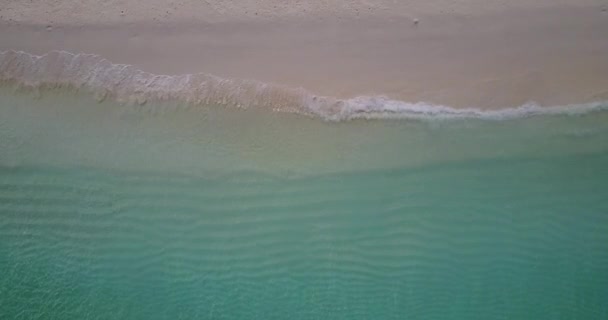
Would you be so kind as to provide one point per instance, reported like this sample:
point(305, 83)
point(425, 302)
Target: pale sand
point(473, 53)
point(110, 12)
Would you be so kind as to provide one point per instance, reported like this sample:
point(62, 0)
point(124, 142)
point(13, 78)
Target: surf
point(127, 84)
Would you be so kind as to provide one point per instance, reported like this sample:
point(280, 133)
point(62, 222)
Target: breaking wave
point(127, 84)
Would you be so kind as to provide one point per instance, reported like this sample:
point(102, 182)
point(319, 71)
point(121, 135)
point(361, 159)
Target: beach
point(471, 56)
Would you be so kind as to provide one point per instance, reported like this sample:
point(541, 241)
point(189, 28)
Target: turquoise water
point(113, 212)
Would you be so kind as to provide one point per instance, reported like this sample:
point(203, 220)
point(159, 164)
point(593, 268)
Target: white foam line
point(127, 84)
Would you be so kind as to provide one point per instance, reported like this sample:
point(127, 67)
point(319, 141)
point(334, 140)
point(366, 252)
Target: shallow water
point(174, 212)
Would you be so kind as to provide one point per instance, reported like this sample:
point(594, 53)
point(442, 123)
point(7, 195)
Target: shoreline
point(65, 128)
point(552, 56)
point(128, 86)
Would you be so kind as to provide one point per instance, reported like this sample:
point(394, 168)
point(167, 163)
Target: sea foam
point(128, 84)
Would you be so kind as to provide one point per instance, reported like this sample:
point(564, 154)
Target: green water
point(192, 215)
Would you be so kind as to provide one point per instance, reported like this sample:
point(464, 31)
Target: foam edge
point(127, 84)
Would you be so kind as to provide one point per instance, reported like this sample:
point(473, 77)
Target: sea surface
point(166, 210)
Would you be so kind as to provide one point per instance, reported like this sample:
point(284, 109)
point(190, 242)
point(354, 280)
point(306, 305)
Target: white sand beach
point(463, 54)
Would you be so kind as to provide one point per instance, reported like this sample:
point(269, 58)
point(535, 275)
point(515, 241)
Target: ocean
point(156, 208)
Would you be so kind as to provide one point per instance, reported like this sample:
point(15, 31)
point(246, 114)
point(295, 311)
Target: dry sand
point(110, 12)
point(468, 53)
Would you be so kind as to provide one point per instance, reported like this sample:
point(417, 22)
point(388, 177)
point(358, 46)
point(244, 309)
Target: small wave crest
point(127, 84)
